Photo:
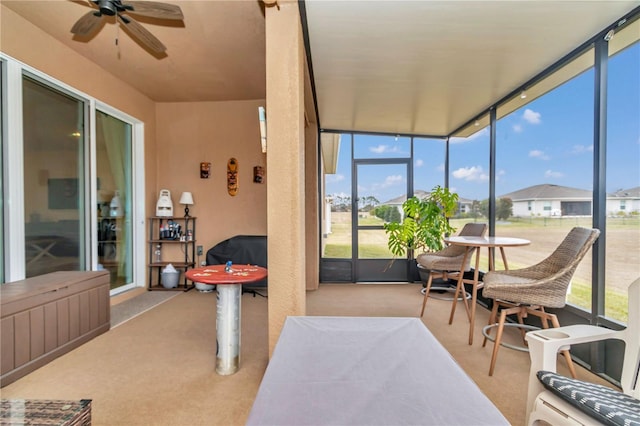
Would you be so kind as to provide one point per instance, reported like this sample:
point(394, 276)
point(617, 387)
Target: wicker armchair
point(529, 291)
point(442, 263)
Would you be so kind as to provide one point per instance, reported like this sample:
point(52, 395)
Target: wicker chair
point(529, 291)
point(442, 263)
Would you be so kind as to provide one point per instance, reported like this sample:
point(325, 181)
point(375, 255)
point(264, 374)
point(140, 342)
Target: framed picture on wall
point(63, 193)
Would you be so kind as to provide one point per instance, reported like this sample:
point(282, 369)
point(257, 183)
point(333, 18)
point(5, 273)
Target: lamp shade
point(186, 198)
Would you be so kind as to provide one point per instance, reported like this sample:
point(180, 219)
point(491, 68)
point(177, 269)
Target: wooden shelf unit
point(179, 253)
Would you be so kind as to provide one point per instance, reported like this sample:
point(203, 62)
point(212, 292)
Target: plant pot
point(423, 274)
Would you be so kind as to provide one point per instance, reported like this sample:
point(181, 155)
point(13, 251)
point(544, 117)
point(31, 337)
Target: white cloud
point(531, 116)
point(474, 173)
point(579, 149)
point(382, 149)
point(379, 149)
point(419, 163)
point(536, 153)
point(393, 180)
point(552, 174)
point(388, 182)
point(517, 128)
point(335, 178)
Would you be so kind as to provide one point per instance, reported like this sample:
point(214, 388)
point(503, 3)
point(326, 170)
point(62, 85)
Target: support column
point(285, 165)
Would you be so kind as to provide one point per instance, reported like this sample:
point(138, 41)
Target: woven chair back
point(545, 283)
point(570, 252)
point(468, 230)
point(450, 257)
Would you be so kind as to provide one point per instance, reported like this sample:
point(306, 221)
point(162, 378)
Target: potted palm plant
point(425, 223)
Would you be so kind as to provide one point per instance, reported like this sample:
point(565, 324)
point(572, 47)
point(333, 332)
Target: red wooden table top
point(215, 274)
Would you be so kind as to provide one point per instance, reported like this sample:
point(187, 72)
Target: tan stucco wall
point(311, 208)
point(195, 132)
point(285, 160)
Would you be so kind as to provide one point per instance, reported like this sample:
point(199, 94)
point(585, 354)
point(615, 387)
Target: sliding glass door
point(72, 181)
point(54, 179)
point(114, 195)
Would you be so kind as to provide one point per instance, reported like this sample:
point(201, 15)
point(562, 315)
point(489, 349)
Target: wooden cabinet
point(47, 316)
point(172, 240)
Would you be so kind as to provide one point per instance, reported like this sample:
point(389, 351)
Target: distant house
point(550, 200)
point(624, 201)
point(464, 205)
point(397, 202)
point(555, 200)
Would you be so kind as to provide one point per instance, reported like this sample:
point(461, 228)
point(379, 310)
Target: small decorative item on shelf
point(227, 267)
point(116, 206)
point(187, 199)
point(170, 230)
point(164, 206)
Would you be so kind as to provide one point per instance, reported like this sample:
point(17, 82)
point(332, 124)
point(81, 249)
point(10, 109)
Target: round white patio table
point(478, 243)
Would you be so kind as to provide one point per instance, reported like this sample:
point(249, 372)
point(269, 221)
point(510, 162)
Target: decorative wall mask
point(232, 176)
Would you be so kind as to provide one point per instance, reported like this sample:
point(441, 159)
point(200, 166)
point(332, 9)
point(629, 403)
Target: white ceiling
point(409, 67)
point(428, 67)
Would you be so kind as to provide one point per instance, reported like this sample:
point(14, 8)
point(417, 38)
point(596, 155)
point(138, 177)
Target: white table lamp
point(187, 199)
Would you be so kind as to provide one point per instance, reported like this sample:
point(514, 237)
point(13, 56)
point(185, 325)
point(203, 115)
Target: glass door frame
point(138, 223)
point(13, 189)
point(370, 270)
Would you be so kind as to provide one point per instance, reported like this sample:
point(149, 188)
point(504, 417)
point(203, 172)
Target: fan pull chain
point(117, 38)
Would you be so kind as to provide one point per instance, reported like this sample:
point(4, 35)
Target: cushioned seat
point(604, 404)
point(443, 263)
point(554, 399)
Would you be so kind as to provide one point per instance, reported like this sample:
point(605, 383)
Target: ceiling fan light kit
point(91, 21)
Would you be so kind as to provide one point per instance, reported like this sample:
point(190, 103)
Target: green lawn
point(623, 251)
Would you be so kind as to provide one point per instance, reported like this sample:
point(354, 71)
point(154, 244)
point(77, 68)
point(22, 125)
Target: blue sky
point(550, 140)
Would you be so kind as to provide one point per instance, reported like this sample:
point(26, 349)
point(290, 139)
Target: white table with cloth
point(366, 371)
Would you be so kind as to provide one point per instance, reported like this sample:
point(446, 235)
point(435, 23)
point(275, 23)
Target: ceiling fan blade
point(86, 24)
point(142, 35)
point(154, 9)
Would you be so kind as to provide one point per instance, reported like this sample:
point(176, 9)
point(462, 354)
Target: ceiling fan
point(88, 23)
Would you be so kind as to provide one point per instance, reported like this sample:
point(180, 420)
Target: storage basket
point(169, 279)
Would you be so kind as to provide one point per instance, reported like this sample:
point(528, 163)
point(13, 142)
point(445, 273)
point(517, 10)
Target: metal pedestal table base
point(228, 328)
